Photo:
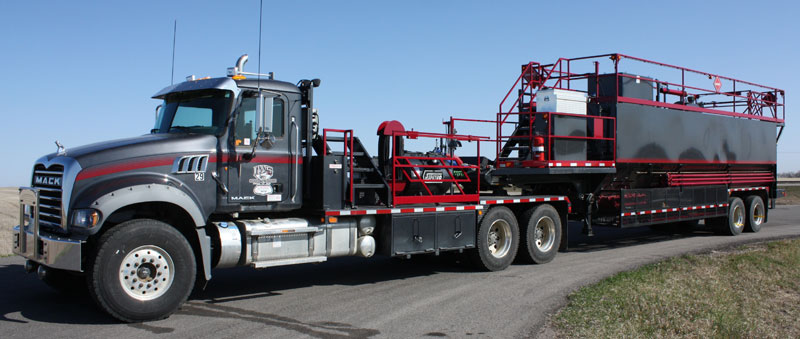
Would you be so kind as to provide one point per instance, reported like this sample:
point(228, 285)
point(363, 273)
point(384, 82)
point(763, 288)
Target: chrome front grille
point(49, 182)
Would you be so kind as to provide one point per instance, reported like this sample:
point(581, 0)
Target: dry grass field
point(792, 196)
point(9, 213)
point(751, 291)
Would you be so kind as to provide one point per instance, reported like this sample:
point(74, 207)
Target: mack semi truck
point(238, 172)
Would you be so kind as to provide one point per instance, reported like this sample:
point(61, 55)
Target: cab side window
point(246, 122)
point(246, 126)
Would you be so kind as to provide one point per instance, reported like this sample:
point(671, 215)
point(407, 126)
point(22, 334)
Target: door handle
point(457, 232)
point(296, 157)
point(415, 230)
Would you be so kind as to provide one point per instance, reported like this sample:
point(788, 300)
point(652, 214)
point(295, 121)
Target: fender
point(127, 190)
point(110, 202)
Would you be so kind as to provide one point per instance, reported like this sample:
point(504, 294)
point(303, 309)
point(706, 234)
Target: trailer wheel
point(756, 213)
point(540, 234)
point(498, 240)
point(734, 223)
point(144, 270)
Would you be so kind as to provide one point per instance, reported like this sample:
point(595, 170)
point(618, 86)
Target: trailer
point(238, 172)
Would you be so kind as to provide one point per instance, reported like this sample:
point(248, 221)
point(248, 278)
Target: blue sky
point(83, 72)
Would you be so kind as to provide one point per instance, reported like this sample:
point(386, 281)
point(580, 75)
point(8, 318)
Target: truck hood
point(142, 146)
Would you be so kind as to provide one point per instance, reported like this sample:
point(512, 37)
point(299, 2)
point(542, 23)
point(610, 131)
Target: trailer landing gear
point(587, 221)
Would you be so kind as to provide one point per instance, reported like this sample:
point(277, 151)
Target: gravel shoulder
point(9, 207)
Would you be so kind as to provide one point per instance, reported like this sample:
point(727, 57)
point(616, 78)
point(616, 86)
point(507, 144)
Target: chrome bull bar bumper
point(47, 249)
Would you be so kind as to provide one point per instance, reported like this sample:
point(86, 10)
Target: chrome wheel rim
point(499, 238)
point(738, 216)
point(544, 234)
point(146, 273)
point(758, 213)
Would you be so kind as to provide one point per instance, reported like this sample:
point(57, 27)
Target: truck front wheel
point(498, 240)
point(144, 270)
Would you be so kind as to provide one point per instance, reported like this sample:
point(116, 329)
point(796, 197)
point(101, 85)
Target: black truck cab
point(260, 128)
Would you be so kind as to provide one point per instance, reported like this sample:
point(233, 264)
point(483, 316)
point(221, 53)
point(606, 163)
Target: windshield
point(194, 112)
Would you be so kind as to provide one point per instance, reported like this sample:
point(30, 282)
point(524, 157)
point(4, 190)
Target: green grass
point(750, 291)
point(792, 196)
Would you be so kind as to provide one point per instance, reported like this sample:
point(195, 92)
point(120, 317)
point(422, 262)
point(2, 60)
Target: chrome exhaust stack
point(240, 63)
point(237, 72)
point(239, 68)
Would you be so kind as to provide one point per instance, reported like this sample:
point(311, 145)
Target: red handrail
point(444, 162)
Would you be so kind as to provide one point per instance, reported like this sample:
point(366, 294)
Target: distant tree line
point(789, 175)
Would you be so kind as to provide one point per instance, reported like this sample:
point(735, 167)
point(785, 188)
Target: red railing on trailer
point(446, 162)
point(755, 102)
point(548, 160)
point(751, 101)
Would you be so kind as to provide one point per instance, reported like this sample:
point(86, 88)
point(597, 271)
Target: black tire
point(540, 234)
point(65, 282)
point(134, 254)
point(756, 213)
point(733, 224)
point(497, 240)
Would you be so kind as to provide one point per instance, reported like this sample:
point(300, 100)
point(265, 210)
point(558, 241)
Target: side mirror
point(264, 113)
point(264, 136)
point(266, 139)
point(158, 109)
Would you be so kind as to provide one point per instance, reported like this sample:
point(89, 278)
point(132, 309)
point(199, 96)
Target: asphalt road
point(353, 297)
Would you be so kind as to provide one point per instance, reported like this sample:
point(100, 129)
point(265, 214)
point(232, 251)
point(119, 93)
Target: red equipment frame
point(445, 162)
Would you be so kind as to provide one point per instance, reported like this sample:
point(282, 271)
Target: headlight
point(86, 218)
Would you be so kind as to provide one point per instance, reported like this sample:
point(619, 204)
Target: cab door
point(262, 166)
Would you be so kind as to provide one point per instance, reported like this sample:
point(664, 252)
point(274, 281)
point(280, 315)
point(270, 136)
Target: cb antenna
point(260, 14)
point(174, 34)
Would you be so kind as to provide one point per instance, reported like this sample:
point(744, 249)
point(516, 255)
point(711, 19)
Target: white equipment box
point(561, 101)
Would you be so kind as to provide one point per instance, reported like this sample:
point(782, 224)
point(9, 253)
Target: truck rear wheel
point(144, 270)
point(734, 223)
point(498, 240)
point(756, 213)
point(540, 234)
